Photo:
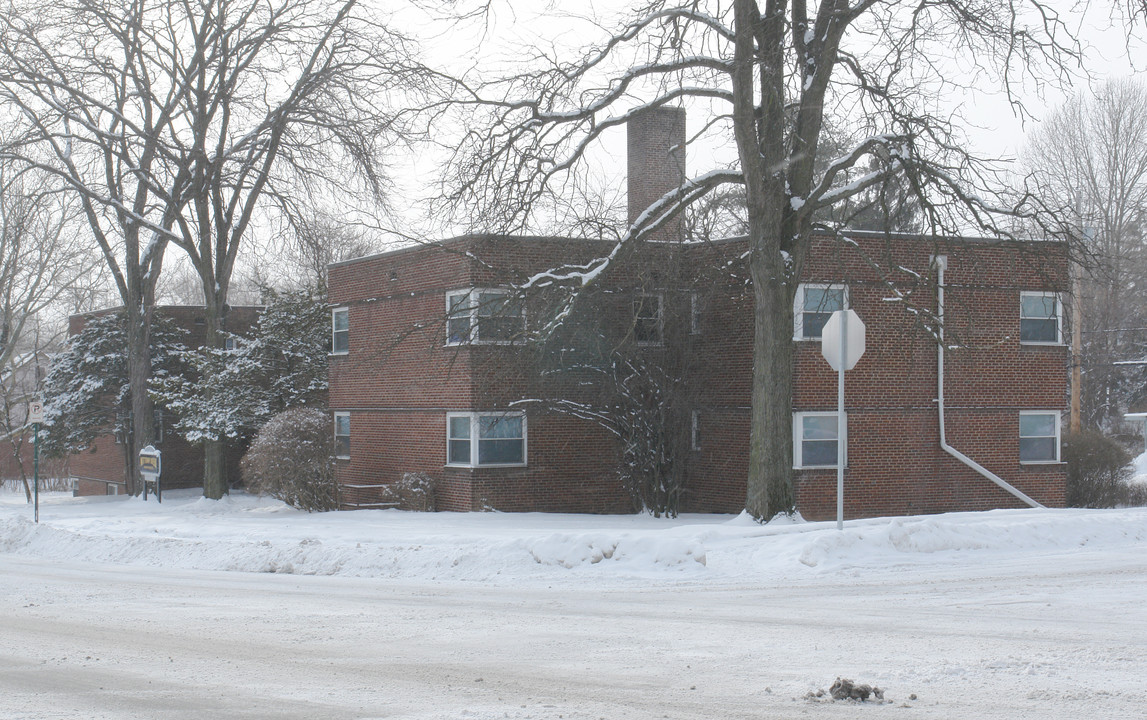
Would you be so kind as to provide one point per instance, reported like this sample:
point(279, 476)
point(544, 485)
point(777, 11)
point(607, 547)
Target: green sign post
point(36, 416)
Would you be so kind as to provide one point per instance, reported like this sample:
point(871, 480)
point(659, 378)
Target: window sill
point(484, 467)
point(1031, 343)
point(338, 354)
point(1026, 463)
point(485, 342)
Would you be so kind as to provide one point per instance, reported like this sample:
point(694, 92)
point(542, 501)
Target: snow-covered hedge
point(292, 459)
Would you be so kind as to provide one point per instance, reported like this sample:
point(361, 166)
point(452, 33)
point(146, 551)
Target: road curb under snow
point(248, 534)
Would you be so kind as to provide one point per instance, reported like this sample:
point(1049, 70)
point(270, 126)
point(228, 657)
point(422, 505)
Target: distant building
point(100, 470)
point(428, 376)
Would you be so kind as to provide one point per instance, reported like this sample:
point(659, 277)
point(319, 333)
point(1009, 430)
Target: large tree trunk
point(215, 483)
point(139, 373)
point(771, 439)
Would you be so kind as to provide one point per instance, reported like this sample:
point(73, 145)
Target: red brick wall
point(895, 463)
point(400, 379)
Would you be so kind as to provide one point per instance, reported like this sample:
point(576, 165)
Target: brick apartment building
point(101, 469)
point(429, 375)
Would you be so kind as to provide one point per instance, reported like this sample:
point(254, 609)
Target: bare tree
point(40, 263)
point(1090, 159)
point(188, 123)
point(289, 100)
point(94, 112)
point(770, 75)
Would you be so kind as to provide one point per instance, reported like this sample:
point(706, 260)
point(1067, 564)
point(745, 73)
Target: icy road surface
point(1017, 614)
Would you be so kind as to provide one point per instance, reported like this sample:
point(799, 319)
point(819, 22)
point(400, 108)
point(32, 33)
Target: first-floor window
point(475, 439)
point(815, 439)
point(1039, 437)
point(695, 423)
point(342, 434)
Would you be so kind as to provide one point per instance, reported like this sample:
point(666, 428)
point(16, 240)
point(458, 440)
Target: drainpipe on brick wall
point(941, 265)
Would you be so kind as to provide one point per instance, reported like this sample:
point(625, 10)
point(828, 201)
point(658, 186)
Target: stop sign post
point(842, 344)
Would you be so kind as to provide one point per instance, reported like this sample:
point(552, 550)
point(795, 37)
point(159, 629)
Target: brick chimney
point(656, 152)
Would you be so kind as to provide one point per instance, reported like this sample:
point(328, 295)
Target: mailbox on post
point(149, 467)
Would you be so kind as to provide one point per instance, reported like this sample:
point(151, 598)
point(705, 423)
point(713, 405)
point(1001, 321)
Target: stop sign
point(843, 329)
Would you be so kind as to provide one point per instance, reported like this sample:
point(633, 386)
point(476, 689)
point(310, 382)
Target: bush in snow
point(1098, 472)
point(292, 459)
point(415, 491)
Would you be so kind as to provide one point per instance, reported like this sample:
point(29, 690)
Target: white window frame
point(474, 438)
point(338, 447)
point(335, 312)
point(638, 301)
point(798, 438)
point(1058, 317)
point(472, 311)
point(798, 306)
point(1058, 437)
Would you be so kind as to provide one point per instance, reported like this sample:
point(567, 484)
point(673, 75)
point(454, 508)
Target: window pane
point(458, 330)
point(458, 303)
point(818, 427)
point(491, 303)
point(812, 325)
point(1037, 449)
point(458, 452)
point(1037, 425)
point(497, 452)
point(823, 300)
point(342, 446)
point(1039, 331)
point(647, 319)
point(1037, 306)
point(459, 428)
point(818, 452)
point(339, 335)
point(497, 427)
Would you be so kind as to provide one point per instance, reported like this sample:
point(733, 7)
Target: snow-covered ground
point(115, 608)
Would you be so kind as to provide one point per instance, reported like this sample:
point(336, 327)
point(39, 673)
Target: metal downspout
point(941, 265)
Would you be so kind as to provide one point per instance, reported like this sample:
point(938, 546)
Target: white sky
point(502, 46)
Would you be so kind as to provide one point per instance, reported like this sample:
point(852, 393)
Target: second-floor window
point(647, 324)
point(1040, 315)
point(340, 331)
point(813, 306)
point(484, 316)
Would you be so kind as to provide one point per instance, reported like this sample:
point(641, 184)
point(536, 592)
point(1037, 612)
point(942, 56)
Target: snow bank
point(248, 534)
